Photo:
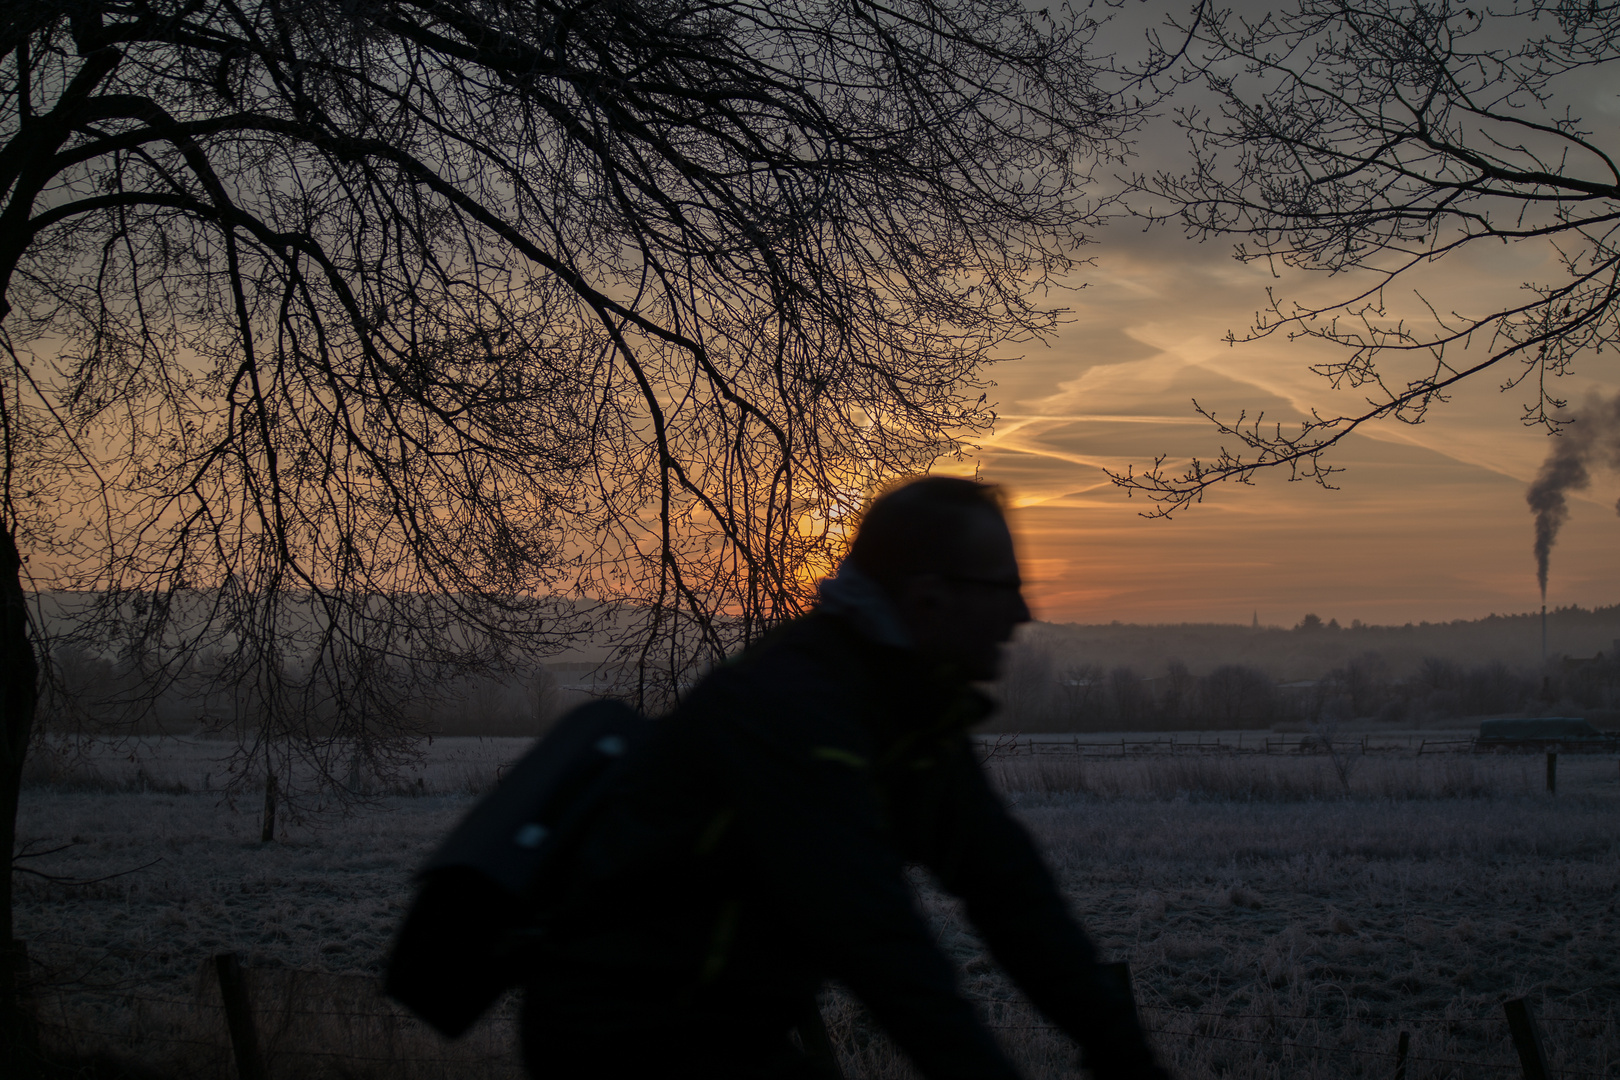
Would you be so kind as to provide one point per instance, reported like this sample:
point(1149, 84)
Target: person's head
point(940, 548)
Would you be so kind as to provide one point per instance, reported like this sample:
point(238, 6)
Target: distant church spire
point(1256, 623)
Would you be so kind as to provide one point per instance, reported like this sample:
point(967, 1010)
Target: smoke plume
point(1591, 438)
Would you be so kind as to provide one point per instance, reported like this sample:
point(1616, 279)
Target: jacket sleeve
point(992, 864)
point(814, 825)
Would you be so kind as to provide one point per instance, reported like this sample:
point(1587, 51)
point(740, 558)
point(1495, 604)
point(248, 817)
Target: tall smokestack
point(1591, 436)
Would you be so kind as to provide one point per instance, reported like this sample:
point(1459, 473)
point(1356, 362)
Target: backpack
point(479, 893)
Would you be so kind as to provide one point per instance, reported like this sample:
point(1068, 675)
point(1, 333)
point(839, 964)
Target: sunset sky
point(1430, 522)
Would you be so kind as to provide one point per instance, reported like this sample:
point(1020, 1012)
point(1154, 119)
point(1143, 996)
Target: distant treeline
point(1039, 694)
point(1118, 677)
point(1316, 645)
point(95, 695)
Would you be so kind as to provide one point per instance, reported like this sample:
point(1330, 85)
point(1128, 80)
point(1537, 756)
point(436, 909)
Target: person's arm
point(814, 824)
point(994, 866)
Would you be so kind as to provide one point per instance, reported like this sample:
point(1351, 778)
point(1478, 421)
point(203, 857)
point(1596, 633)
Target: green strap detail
point(840, 755)
point(717, 828)
point(725, 932)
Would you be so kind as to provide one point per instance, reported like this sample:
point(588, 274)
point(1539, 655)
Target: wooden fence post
point(1526, 1038)
point(239, 1017)
point(1401, 1046)
point(1552, 772)
point(19, 1038)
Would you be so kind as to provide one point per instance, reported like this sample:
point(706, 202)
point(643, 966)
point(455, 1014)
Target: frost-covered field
point(1279, 919)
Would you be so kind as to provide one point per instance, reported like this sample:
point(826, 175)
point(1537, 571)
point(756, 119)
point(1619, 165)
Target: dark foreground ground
point(1280, 919)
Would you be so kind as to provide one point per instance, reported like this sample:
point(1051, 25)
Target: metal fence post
point(1401, 1046)
point(1526, 1038)
point(1552, 772)
point(239, 1017)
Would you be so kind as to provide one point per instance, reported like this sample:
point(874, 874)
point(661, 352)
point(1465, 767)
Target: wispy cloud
point(1429, 522)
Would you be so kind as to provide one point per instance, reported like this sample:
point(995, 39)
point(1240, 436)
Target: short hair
point(918, 527)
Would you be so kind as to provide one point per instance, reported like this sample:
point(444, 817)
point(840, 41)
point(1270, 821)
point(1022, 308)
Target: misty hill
point(1058, 677)
point(1310, 651)
point(1123, 678)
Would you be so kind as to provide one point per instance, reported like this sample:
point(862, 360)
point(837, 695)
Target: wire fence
point(315, 1023)
point(1199, 744)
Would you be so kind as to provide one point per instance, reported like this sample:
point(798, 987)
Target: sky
point(1428, 522)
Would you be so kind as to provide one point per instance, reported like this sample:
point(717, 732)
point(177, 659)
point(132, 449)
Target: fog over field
point(1280, 919)
point(1059, 677)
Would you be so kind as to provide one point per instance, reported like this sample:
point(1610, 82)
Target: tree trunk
point(18, 692)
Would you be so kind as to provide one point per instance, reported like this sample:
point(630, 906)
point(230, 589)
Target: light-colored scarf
point(857, 599)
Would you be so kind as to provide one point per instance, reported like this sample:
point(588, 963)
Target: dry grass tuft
point(1339, 923)
point(1238, 896)
point(310, 1024)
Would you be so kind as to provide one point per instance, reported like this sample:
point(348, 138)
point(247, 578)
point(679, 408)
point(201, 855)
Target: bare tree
point(1132, 703)
point(1344, 753)
point(1381, 137)
point(1234, 695)
point(1081, 697)
point(360, 346)
point(1028, 686)
point(1367, 683)
point(1179, 696)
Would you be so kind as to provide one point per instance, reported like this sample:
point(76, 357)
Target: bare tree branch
point(1380, 137)
point(351, 349)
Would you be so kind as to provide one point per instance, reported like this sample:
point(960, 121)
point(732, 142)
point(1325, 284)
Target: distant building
point(1541, 732)
point(1575, 665)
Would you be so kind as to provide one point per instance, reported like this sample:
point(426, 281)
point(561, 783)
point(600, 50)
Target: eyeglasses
point(1011, 584)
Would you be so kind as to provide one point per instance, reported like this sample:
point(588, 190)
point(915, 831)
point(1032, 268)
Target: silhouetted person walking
point(759, 839)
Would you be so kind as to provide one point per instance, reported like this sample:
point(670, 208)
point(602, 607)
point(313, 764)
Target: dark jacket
point(758, 845)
